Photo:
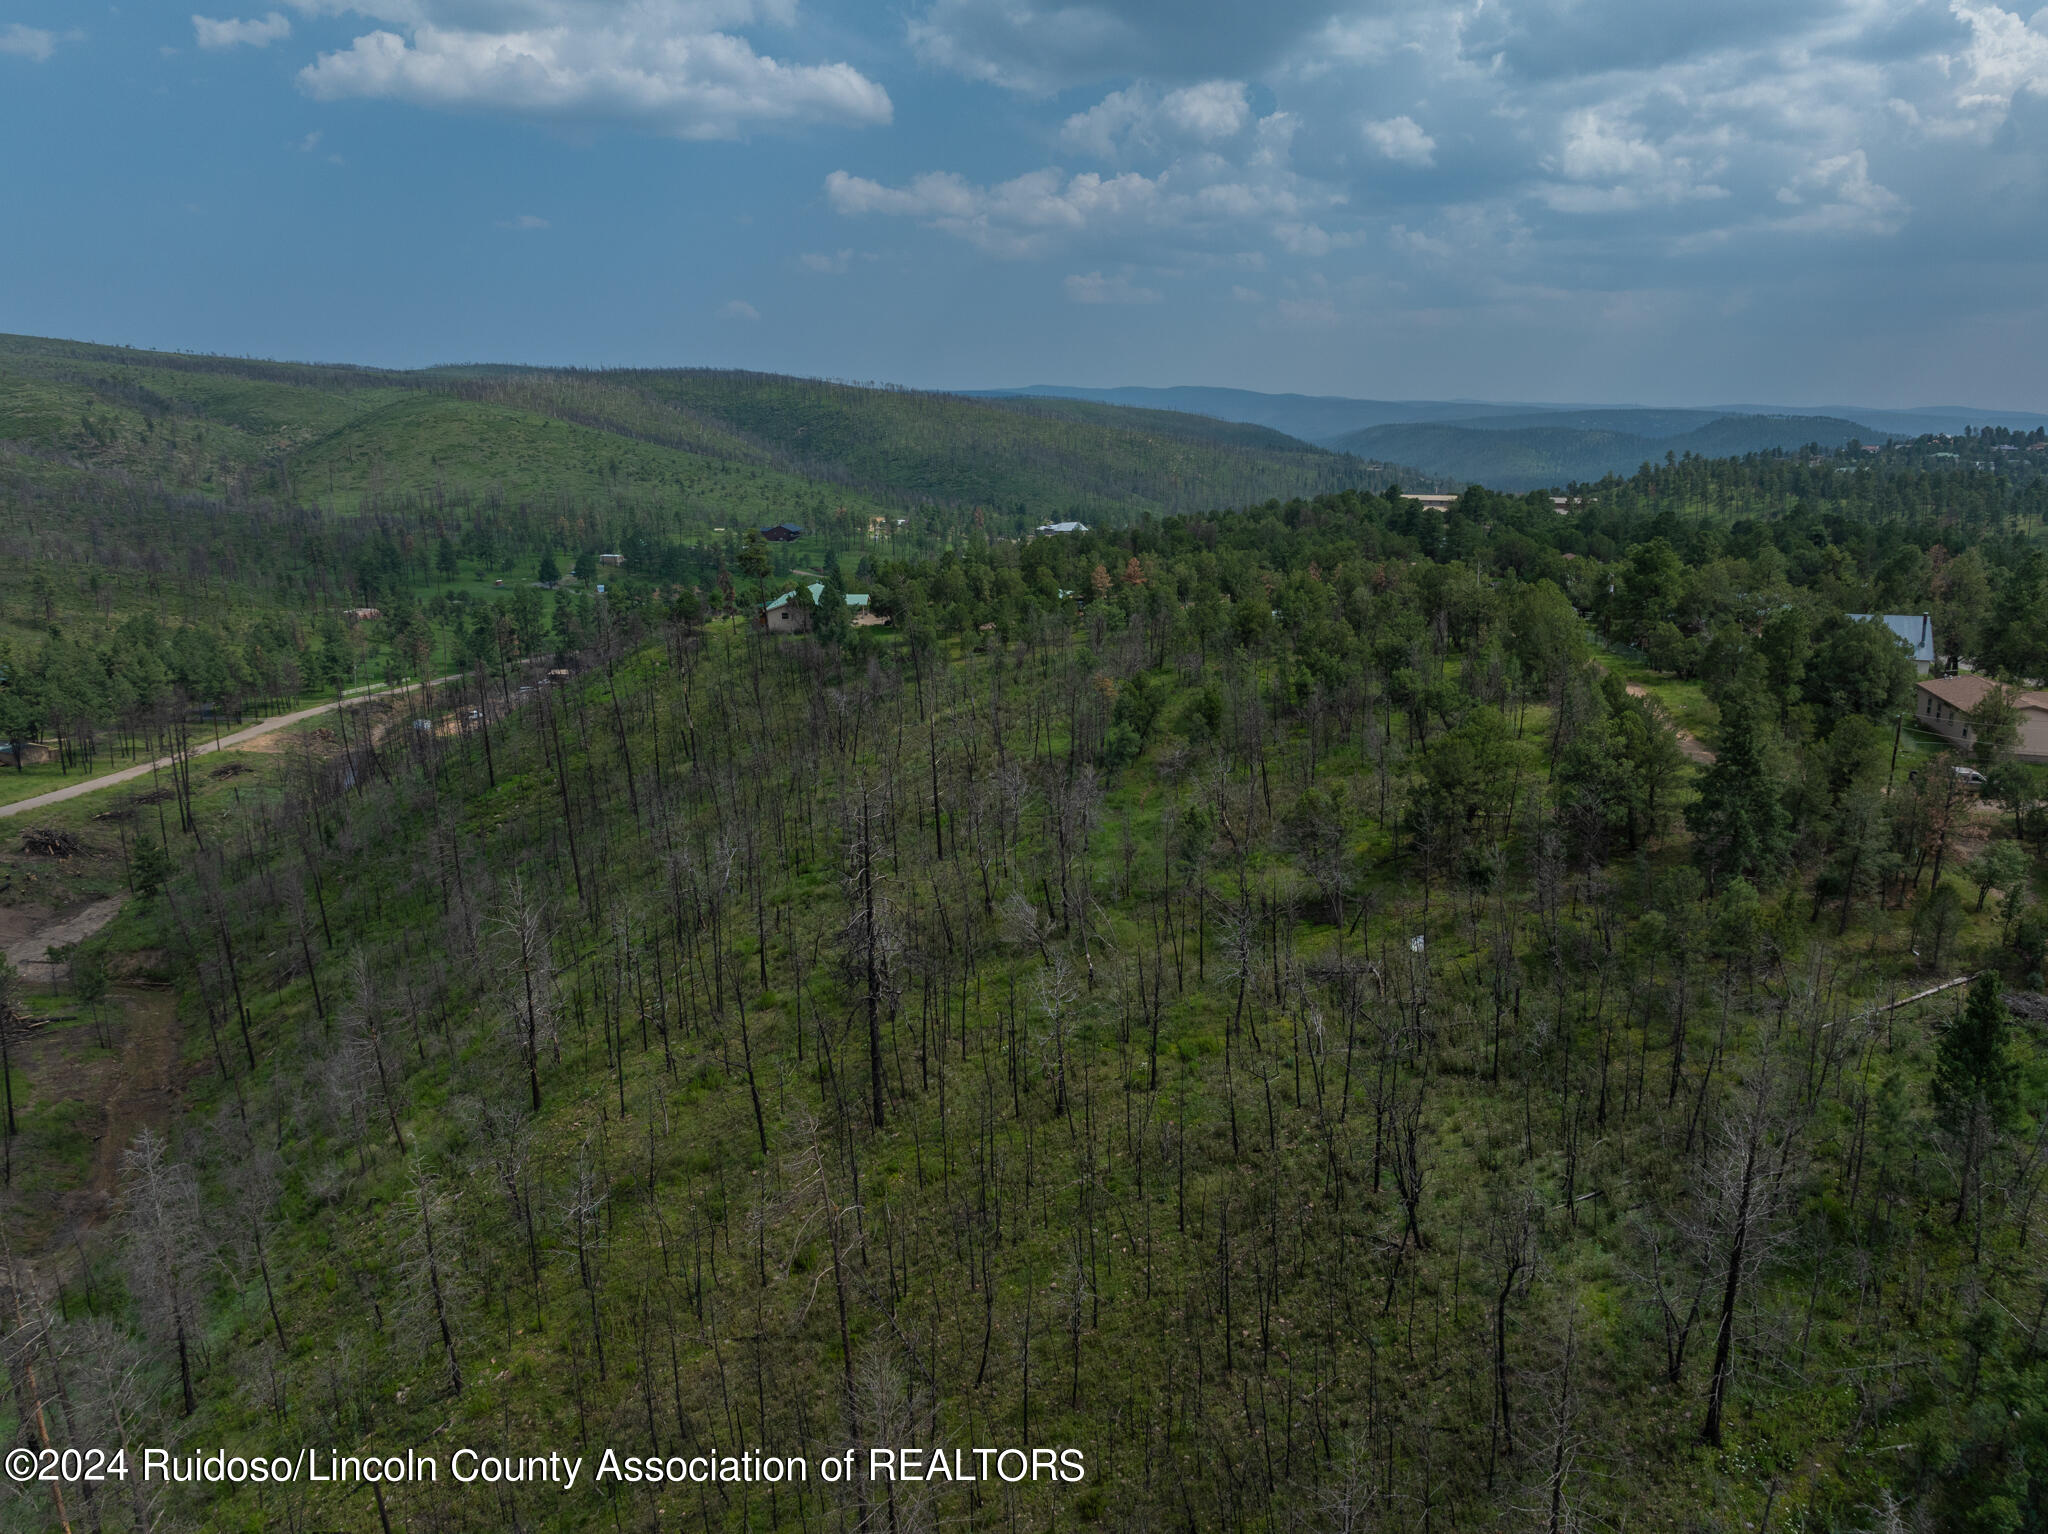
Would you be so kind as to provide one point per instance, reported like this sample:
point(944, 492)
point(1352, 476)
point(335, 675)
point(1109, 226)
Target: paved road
point(226, 742)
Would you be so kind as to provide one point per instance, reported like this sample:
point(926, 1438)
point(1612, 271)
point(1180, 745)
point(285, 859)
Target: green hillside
point(497, 452)
point(665, 440)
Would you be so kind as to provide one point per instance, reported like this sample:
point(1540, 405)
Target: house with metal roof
point(786, 615)
point(1914, 630)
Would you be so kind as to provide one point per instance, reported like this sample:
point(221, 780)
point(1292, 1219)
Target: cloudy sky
point(1658, 201)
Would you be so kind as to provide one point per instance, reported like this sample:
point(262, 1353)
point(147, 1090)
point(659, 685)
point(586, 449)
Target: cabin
point(1049, 528)
point(611, 559)
point(1913, 630)
point(362, 614)
point(786, 615)
point(782, 532)
point(1944, 705)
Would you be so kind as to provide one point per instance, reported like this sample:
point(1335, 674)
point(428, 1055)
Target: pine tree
point(1739, 824)
point(1976, 1082)
point(1974, 1068)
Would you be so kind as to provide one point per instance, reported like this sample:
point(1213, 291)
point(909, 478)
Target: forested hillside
point(690, 447)
point(256, 501)
point(1348, 1014)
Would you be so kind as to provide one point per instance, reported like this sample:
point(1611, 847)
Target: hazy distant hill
point(1311, 417)
point(1634, 422)
point(1331, 419)
point(1529, 457)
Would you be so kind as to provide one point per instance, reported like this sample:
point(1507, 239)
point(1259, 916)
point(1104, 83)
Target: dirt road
point(1688, 742)
point(225, 743)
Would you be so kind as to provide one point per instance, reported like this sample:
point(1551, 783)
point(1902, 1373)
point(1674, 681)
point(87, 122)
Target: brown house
point(1944, 705)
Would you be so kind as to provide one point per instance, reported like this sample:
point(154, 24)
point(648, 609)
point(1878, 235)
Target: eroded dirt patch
point(28, 934)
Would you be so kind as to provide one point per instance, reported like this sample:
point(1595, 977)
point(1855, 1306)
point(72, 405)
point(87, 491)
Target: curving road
point(225, 743)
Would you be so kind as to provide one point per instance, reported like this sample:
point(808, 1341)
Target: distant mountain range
point(1525, 457)
point(1522, 446)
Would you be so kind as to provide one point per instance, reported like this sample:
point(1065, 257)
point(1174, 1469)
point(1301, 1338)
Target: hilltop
point(693, 446)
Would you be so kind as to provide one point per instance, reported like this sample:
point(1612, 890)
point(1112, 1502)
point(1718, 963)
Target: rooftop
point(1966, 692)
point(1915, 631)
point(817, 591)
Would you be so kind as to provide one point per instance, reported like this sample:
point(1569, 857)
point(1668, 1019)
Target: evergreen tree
point(1739, 824)
point(1976, 1081)
point(1974, 1070)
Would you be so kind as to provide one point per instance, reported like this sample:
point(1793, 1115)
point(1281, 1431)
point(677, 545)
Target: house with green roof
point(786, 615)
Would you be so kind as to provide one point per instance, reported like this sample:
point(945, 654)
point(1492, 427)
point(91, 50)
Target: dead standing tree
point(867, 935)
point(522, 925)
point(363, 1030)
point(1747, 1183)
point(1513, 1228)
point(161, 1203)
point(431, 1274)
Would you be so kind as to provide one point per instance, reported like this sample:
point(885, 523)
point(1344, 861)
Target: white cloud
point(1837, 196)
point(1311, 240)
point(525, 221)
point(2007, 55)
point(1041, 46)
point(1216, 109)
point(1019, 217)
point(1210, 195)
point(1611, 166)
point(1140, 119)
point(1245, 295)
point(1031, 214)
point(665, 65)
point(27, 42)
point(832, 263)
point(1596, 148)
point(1402, 140)
point(310, 142)
point(260, 32)
point(1094, 288)
point(738, 309)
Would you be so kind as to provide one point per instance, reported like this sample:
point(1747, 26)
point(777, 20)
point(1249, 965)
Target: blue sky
point(1794, 201)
